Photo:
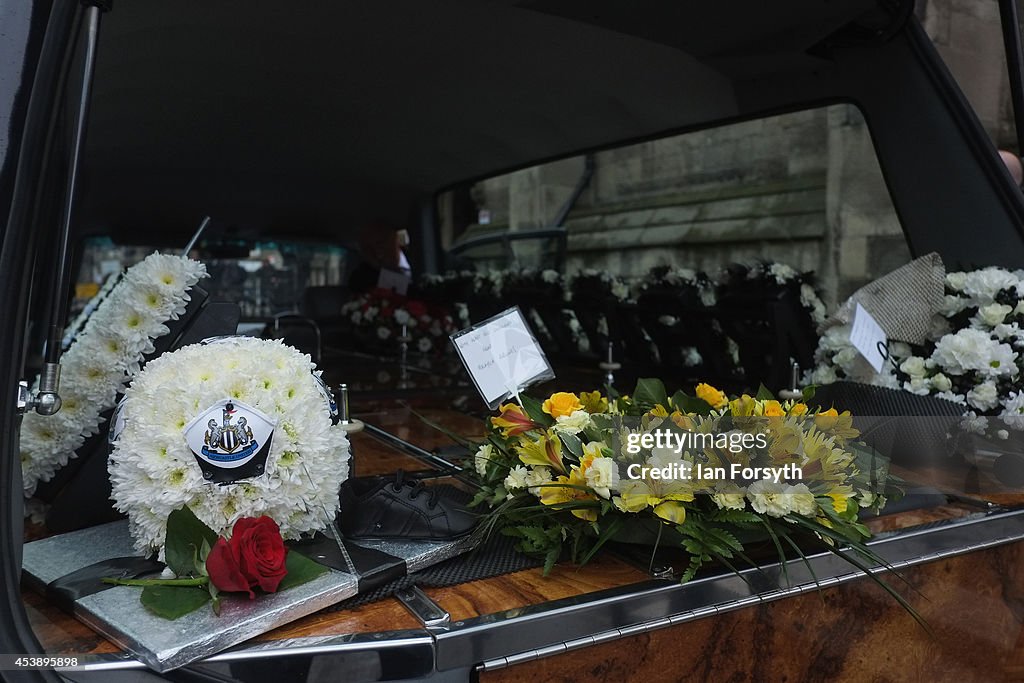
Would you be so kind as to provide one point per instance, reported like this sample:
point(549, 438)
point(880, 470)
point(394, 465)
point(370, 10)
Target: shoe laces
point(416, 487)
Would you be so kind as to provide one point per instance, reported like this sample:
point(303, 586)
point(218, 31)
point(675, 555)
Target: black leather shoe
point(401, 507)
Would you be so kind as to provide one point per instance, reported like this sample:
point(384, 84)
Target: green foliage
point(535, 410)
point(301, 570)
point(650, 392)
point(541, 539)
point(572, 444)
point(185, 536)
point(171, 602)
point(764, 394)
point(690, 404)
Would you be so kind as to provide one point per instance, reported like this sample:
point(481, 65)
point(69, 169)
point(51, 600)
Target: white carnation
point(573, 423)
point(768, 497)
point(952, 304)
point(973, 350)
point(603, 476)
point(801, 500)
point(983, 285)
point(517, 478)
point(482, 458)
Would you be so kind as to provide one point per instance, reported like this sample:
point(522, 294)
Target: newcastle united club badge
point(230, 440)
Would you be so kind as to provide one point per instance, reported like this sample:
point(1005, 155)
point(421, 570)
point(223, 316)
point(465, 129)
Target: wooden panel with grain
point(974, 603)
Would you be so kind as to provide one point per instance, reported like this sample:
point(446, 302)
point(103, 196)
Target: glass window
point(803, 189)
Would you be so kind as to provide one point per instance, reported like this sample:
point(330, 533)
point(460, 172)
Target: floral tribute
point(202, 565)
point(382, 315)
point(153, 472)
point(569, 473)
point(974, 356)
point(103, 357)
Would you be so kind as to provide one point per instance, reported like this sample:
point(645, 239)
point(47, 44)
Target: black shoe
point(377, 507)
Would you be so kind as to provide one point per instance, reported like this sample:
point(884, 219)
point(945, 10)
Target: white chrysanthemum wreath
point(104, 357)
point(153, 472)
point(974, 355)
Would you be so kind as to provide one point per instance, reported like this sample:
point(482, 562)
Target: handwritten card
point(869, 338)
point(502, 356)
point(393, 280)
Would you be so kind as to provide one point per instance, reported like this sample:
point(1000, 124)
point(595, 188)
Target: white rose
point(993, 314)
point(918, 385)
point(941, 383)
point(846, 358)
point(956, 281)
point(914, 366)
point(984, 396)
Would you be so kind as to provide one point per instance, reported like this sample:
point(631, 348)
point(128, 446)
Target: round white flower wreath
point(153, 472)
point(103, 357)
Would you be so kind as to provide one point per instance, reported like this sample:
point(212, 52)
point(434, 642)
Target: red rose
point(253, 556)
point(417, 309)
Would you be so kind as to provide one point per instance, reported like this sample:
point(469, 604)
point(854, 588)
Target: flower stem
point(197, 581)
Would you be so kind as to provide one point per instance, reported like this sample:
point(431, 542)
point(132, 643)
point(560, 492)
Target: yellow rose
point(562, 403)
point(773, 409)
point(712, 396)
point(798, 409)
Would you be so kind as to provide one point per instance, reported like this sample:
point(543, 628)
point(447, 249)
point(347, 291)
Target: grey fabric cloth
point(902, 302)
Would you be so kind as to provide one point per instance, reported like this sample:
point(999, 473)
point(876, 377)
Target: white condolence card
point(502, 356)
point(869, 338)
